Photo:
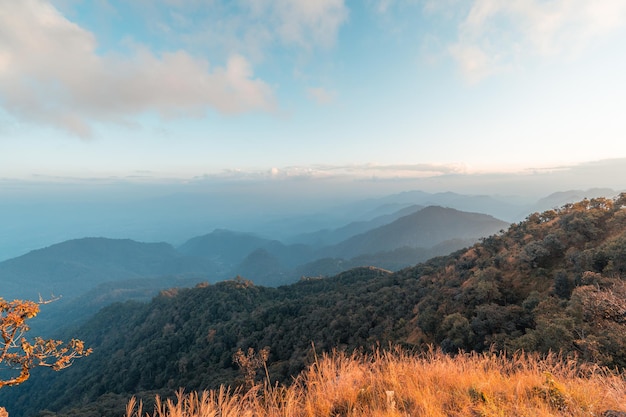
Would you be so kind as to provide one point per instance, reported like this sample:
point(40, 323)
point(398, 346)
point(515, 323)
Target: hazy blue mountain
point(73, 267)
point(223, 247)
point(76, 266)
point(410, 239)
point(247, 254)
point(399, 258)
point(506, 208)
point(330, 237)
point(561, 198)
point(424, 229)
point(395, 245)
point(292, 255)
point(393, 260)
point(229, 249)
point(265, 268)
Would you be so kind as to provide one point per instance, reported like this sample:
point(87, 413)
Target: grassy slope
point(433, 384)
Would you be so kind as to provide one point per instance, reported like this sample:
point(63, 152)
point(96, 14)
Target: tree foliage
point(18, 356)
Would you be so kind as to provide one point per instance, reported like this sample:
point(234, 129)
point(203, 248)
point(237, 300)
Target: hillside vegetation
point(552, 283)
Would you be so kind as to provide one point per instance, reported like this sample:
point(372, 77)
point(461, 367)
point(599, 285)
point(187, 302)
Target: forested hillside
point(552, 282)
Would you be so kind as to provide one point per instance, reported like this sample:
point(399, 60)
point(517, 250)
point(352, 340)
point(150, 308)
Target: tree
point(456, 333)
point(18, 356)
point(251, 362)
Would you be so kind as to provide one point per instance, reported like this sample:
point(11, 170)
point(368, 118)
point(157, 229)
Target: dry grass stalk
point(396, 383)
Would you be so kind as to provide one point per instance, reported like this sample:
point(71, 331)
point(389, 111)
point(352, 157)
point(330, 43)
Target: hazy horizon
point(120, 117)
point(275, 204)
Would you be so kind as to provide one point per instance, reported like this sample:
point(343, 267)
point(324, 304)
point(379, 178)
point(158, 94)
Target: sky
point(143, 89)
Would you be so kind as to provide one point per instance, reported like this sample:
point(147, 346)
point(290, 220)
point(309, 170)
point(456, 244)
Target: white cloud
point(51, 74)
point(495, 34)
point(354, 172)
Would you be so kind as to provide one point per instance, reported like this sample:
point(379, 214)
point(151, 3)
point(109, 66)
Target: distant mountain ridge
point(559, 199)
point(406, 237)
point(425, 228)
point(394, 240)
point(174, 215)
point(75, 266)
point(497, 206)
point(224, 247)
point(90, 272)
point(329, 237)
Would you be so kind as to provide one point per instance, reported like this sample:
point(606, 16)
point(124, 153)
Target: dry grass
point(433, 384)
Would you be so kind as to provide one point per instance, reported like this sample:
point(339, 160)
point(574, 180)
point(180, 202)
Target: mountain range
point(48, 214)
point(552, 283)
point(74, 267)
point(391, 232)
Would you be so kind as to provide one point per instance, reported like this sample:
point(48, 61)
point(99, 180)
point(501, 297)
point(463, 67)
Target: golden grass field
point(396, 383)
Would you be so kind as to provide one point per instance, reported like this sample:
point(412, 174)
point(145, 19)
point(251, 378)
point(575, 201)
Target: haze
point(165, 119)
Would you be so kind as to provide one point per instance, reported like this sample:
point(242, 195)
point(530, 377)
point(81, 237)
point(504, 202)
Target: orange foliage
point(19, 355)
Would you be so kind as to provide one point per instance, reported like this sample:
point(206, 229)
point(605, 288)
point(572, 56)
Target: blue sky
point(398, 88)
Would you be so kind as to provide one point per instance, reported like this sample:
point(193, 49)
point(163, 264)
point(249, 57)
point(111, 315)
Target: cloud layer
point(497, 34)
point(54, 73)
point(51, 73)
